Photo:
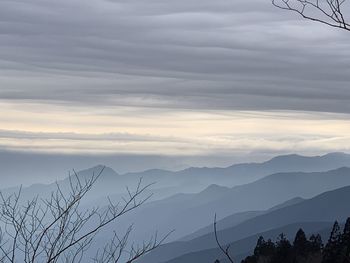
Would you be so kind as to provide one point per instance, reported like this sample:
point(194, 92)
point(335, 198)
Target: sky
point(181, 78)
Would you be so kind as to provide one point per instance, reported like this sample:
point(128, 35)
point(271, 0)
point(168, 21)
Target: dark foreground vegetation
point(303, 249)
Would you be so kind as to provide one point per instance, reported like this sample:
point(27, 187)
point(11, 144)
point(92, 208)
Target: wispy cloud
point(170, 77)
point(232, 55)
point(147, 131)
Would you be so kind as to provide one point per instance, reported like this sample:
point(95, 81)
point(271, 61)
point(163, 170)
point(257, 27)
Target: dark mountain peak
point(293, 201)
point(100, 167)
point(341, 170)
point(215, 188)
point(294, 159)
point(104, 170)
point(151, 173)
point(336, 155)
point(297, 157)
point(336, 192)
point(294, 175)
point(287, 157)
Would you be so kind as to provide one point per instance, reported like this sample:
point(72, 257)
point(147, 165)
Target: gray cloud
point(171, 54)
point(121, 137)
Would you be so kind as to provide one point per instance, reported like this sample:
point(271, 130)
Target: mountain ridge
point(335, 202)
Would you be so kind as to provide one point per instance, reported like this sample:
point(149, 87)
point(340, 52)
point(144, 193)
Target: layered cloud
point(170, 77)
point(232, 55)
point(80, 130)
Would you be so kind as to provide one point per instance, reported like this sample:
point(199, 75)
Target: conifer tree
point(301, 244)
point(303, 250)
point(332, 250)
point(315, 243)
point(346, 242)
point(283, 250)
point(264, 248)
point(269, 248)
point(259, 249)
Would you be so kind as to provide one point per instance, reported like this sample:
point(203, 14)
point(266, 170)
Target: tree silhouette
point(223, 249)
point(329, 12)
point(346, 242)
point(301, 244)
point(316, 244)
point(283, 250)
point(261, 247)
point(58, 229)
point(332, 250)
point(304, 250)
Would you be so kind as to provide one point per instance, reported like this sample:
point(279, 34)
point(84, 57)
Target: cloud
point(186, 54)
point(122, 137)
point(181, 133)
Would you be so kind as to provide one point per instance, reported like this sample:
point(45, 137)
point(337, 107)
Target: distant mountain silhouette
point(235, 219)
point(196, 179)
point(249, 172)
point(244, 247)
point(189, 212)
point(326, 207)
point(176, 207)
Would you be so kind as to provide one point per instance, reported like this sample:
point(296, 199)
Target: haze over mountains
point(184, 111)
point(46, 168)
point(322, 208)
point(243, 247)
point(249, 199)
point(196, 179)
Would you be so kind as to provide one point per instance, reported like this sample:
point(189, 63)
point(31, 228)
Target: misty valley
point(262, 210)
point(174, 131)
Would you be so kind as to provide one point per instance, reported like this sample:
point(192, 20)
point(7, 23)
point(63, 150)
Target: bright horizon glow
point(136, 130)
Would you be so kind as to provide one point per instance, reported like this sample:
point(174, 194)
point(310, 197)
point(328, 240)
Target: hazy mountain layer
point(326, 207)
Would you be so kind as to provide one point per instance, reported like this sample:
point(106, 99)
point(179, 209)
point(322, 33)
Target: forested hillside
point(303, 249)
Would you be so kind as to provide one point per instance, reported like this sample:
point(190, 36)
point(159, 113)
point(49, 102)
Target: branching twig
point(329, 12)
point(56, 229)
point(224, 250)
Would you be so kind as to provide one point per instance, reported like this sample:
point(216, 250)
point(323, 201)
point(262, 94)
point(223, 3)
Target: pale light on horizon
point(132, 130)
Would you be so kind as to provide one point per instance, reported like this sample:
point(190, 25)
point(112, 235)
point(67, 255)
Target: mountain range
point(325, 208)
point(249, 199)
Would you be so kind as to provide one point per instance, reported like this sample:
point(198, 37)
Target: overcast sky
point(165, 77)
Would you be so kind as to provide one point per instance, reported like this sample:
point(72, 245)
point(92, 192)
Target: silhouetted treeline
point(303, 249)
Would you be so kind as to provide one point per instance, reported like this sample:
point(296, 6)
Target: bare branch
point(56, 229)
point(328, 12)
point(222, 248)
